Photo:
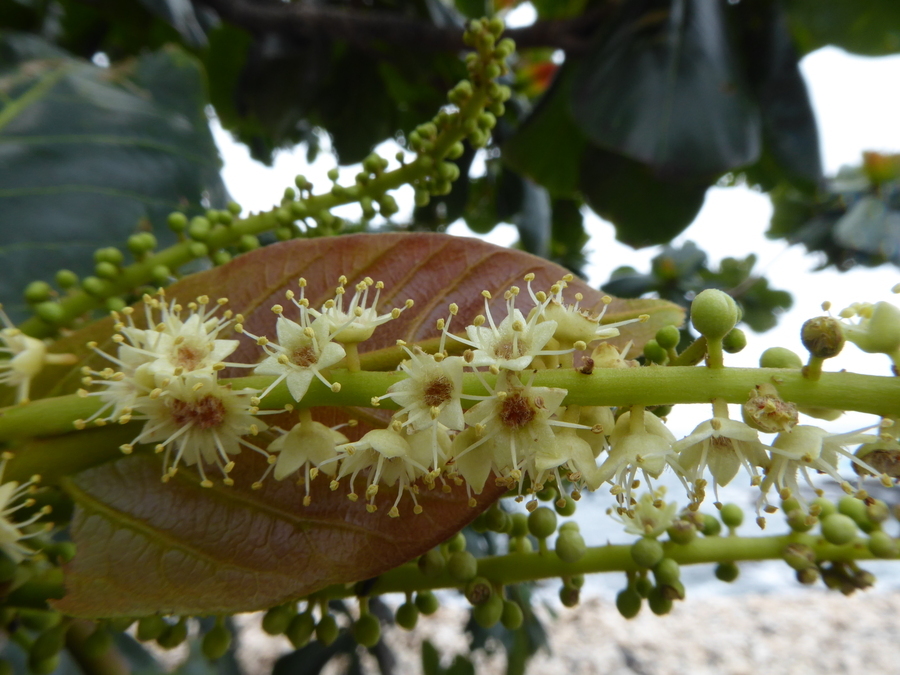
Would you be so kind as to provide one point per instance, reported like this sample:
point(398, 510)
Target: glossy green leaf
point(92, 155)
point(145, 546)
point(664, 87)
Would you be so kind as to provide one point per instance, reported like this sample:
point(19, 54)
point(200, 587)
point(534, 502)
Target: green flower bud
point(492, 71)
point(178, 222)
point(427, 602)
point(542, 522)
point(799, 556)
point(479, 525)
point(735, 341)
point(668, 337)
point(666, 572)
point(731, 515)
point(565, 506)
point(711, 526)
point(808, 576)
point(570, 546)
point(299, 210)
point(822, 507)
point(388, 206)
point(106, 270)
point(780, 357)
point(216, 642)
point(496, 108)
point(277, 619)
point(115, 304)
point(37, 291)
point(97, 643)
point(448, 171)
point(327, 630)
point(838, 529)
point(198, 249)
point(520, 545)
point(682, 532)
point(882, 545)
point(823, 337)
point(38, 620)
point(221, 257)
point(150, 628)
point(66, 279)
point(496, 26)
point(455, 152)
point(569, 596)
point(643, 585)
point(367, 630)
point(854, 508)
point(110, 254)
point(51, 312)
point(478, 591)
point(800, 521)
point(496, 519)
point(161, 274)
point(877, 512)
point(431, 564)
point(300, 629)
point(407, 615)
point(173, 635)
point(512, 617)
point(654, 353)
point(120, 624)
point(248, 242)
point(301, 182)
point(234, 208)
point(646, 552)
point(628, 602)
point(199, 228)
point(727, 572)
point(488, 613)
point(713, 313)
point(569, 525)
point(673, 591)
point(283, 233)
point(519, 525)
point(462, 566)
point(659, 603)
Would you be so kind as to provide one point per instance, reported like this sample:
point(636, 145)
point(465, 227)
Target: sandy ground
point(813, 632)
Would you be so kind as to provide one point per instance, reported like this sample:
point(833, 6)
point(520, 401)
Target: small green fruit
point(647, 552)
point(367, 630)
point(487, 614)
point(300, 629)
point(462, 566)
point(628, 602)
point(838, 529)
point(512, 617)
point(327, 630)
point(427, 602)
point(407, 615)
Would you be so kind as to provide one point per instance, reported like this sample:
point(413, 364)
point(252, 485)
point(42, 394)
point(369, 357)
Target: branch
point(362, 28)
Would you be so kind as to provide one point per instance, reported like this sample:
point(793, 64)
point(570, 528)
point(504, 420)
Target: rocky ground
point(808, 631)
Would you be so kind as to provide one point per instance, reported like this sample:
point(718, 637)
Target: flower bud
point(735, 341)
point(727, 572)
point(106, 270)
point(666, 572)
point(542, 522)
point(367, 630)
point(488, 613)
point(173, 635)
point(799, 556)
point(628, 602)
point(300, 629)
point(478, 591)
point(825, 507)
point(780, 357)
point(711, 525)
point(668, 337)
point(462, 566)
point(565, 506)
point(519, 525)
point(569, 596)
point(37, 291)
point(327, 630)
point(97, 643)
point(407, 615)
point(838, 529)
point(570, 546)
point(646, 552)
point(654, 352)
point(732, 515)
point(682, 532)
point(823, 337)
point(808, 575)
point(277, 619)
point(427, 602)
point(512, 617)
point(51, 312)
point(882, 545)
point(713, 313)
point(800, 521)
point(177, 222)
point(150, 628)
point(659, 603)
point(66, 279)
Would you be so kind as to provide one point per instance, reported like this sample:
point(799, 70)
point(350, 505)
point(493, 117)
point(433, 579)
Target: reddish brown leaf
point(146, 547)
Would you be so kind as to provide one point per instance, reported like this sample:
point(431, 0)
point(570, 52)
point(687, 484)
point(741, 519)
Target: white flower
point(11, 532)
point(302, 352)
point(569, 450)
point(27, 357)
point(650, 517)
point(512, 425)
point(639, 442)
point(574, 324)
point(309, 446)
point(359, 320)
point(511, 345)
point(723, 445)
point(430, 394)
point(202, 421)
point(807, 447)
point(390, 460)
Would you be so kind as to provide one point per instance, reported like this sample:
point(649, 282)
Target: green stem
point(692, 355)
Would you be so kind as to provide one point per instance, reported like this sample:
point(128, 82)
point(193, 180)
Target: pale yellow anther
point(79, 424)
point(494, 369)
point(159, 448)
point(336, 387)
point(606, 299)
point(301, 282)
point(239, 318)
point(479, 321)
point(83, 393)
point(580, 345)
point(501, 395)
point(486, 294)
point(715, 423)
point(376, 401)
point(198, 386)
point(394, 313)
point(454, 308)
point(277, 309)
point(100, 422)
point(440, 324)
point(156, 393)
point(529, 276)
point(353, 497)
point(118, 338)
point(178, 371)
point(644, 318)
point(87, 381)
point(238, 328)
point(228, 482)
point(126, 448)
point(826, 306)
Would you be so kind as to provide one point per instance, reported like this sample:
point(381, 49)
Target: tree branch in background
point(365, 27)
